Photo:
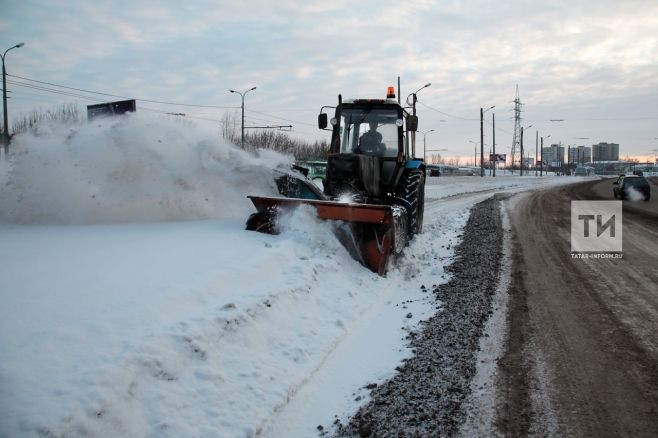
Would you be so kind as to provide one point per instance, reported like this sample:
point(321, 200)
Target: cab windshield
point(369, 131)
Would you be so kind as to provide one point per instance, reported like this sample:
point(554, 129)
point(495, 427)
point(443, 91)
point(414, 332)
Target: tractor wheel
point(261, 222)
point(421, 205)
point(414, 193)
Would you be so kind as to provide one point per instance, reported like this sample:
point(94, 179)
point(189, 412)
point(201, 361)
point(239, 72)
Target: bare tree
point(66, 113)
point(275, 140)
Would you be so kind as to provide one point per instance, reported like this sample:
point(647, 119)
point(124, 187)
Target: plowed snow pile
point(133, 168)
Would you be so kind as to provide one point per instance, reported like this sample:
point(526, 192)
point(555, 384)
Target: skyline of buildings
point(579, 155)
point(603, 151)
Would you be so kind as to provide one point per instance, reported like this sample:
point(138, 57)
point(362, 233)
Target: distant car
point(433, 170)
point(632, 187)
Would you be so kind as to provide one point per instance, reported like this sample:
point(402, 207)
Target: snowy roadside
point(179, 328)
point(195, 327)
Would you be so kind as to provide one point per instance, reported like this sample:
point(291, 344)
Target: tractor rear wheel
point(413, 191)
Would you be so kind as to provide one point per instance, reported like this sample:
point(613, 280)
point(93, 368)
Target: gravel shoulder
point(426, 396)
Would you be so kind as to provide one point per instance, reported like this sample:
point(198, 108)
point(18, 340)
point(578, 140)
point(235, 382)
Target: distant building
point(580, 155)
point(605, 152)
point(554, 155)
point(528, 162)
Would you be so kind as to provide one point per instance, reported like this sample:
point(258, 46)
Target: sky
point(592, 65)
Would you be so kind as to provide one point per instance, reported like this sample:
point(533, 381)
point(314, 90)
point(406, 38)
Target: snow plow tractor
point(373, 184)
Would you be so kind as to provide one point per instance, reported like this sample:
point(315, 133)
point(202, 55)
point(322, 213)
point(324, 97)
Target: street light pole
point(482, 138)
point(481, 143)
point(493, 122)
point(521, 167)
point(413, 105)
point(242, 125)
point(541, 155)
point(536, 146)
point(5, 132)
point(541, 169)
point(521, 164)
point(424, 144)
point(475, 153)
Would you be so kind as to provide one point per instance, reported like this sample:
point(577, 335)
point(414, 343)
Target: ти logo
point(600, 228)
point(596, 226)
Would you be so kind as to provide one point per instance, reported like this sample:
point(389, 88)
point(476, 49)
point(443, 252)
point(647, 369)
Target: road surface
point(581, 357)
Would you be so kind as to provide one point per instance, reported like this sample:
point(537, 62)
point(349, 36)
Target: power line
point(260, 120)
point(447, 114)
point(606, 119)
point(119, 96)
point(279, 127)
point(280, 118)
point(142, 100)
point(316, 134)
point(50, 90)
point(498, 128)
point(95, 99)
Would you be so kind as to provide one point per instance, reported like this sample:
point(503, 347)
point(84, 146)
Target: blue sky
point(592, 64)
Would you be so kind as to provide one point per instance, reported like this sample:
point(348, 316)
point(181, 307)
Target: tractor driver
point(371, 141)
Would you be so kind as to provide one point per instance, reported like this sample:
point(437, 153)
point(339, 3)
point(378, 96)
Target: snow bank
point(135, 168)
point(193, 328)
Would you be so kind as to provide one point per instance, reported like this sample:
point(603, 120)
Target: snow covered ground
point(134, 303)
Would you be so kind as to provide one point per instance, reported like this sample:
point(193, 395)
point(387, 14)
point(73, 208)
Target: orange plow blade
point(372, 236)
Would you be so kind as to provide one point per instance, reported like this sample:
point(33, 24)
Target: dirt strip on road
point(581, 357)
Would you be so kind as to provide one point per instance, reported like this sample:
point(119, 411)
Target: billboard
point(111, 108)
point(498, 157)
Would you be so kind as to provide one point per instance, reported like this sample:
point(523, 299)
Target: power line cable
point(280, 118)
point(122, 97)
point(95, 99)
point(446, 114)
point(50, 90)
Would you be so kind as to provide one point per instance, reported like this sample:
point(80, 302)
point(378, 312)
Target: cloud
point(563, 54)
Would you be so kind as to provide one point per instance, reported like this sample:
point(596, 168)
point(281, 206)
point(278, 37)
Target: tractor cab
point(369, 130)
point(370, 146)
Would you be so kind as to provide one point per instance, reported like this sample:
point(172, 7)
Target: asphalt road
point(581, 356)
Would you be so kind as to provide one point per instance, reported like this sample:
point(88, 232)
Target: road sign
point(111, 108)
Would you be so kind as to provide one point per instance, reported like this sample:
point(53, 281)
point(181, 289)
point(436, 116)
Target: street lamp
point(413, 105)
point(5, 134)
point(541, 167)
point(482, 138)
point(475, 156)
point(527, 127)
point(242, 95)
point(424, 138)
point(415, 99)
point(493, 142)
